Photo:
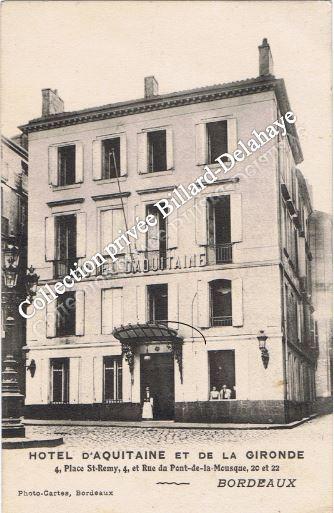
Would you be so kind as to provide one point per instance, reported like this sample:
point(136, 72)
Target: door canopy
point(132, 335)
point(148, 332)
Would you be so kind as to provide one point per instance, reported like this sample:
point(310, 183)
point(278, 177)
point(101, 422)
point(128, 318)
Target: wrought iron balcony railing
point(219, 253)
point(62, 267)
point(222, 320)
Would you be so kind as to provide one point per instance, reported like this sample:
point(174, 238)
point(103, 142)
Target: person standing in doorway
point(225, 393)
point(147, 412)
point(214, 394)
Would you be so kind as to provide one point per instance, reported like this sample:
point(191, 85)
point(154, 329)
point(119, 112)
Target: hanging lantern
point(11, 262)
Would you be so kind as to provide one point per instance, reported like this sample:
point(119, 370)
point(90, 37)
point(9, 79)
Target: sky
point(99, 52)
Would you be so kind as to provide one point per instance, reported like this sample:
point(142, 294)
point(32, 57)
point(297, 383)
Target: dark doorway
point(158, 374)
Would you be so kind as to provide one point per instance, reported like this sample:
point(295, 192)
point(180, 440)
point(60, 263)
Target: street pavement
point(101, 436)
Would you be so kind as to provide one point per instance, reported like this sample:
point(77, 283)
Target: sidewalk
point(162, 424)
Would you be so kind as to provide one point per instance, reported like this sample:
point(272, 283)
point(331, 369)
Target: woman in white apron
point(147, 413)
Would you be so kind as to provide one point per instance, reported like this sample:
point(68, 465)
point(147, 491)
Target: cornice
point(206, 94)
point(60, 203)
point(114, 195)
point(157, 189)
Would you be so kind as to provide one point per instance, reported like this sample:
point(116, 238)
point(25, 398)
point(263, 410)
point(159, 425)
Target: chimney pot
point(151, 87)
point(51, 102)
point(266, 64)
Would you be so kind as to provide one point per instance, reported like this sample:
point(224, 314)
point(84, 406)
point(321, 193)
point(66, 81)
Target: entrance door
point(158, 374)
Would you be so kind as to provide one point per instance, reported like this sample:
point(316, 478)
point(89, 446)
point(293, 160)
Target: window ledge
point(65, 187)
point(101, 181)
point(157, 173)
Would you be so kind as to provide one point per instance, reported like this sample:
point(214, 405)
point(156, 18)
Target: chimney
point(51, 102)
point(266, 65)
point(151, 87)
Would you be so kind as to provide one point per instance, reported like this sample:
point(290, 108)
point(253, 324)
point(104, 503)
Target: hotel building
point(229, 270)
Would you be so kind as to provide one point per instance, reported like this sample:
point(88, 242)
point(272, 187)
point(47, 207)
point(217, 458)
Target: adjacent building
point(321, 229)
point(14, 217)
point(215, 296)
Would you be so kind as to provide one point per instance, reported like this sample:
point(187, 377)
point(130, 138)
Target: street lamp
point(11, 262)
point(262, 338)
point(12, 399)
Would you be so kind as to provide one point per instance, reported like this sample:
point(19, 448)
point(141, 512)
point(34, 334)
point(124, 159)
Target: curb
point(165, 425)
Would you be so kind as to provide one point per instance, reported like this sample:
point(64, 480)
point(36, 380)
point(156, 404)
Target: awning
point(148, 332)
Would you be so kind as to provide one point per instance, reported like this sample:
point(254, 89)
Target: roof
point(15, 147)
point(304, 189)
point(172, 100)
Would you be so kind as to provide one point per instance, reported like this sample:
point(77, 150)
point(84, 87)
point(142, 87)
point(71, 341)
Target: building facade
point(14, 217)
point(321, 228)
point(232, 263)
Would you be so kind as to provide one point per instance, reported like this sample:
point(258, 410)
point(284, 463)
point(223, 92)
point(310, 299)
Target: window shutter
point(142, 152)
point(97, 159)
point(74, 377)
point(173, 303)
point(117, 307)
point(44, 379)
point(53, 165)
point(123, 170)
point(141, 303)
point(107, 309)
point(140, 244)
point(81, 235)
point(80, 312)
point(236, 217)
point(51, 319)
point(106, 228)
point(201, 144)
point(237, 302)
point(203, 304)
point(201, 220)
point(231, 135)
point(112, 309)
point(169, 148)
point(79, 163)
point(50, 239)
point(172, 230)
point(97, 378)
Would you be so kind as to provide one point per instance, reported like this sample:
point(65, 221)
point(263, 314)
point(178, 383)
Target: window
point(157, 155)
point(291, 315)
point(66, 247)
point(158, 302)
point(156, 242)
point(219, 230)
point(222, 374)
point(216, 139)
point(66, 165)
point(112, 379)
point(111, 158)
point(66, 310)
point(220, 303)
point(59, 380)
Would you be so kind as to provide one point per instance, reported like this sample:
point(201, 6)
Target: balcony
point(219, 254)
point(156, 259)
point(222, 320)
point(62, 267)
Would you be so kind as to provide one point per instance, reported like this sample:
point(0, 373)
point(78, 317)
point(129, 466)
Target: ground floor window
point(112, 379)
point(222, 375)
point(59, 380)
